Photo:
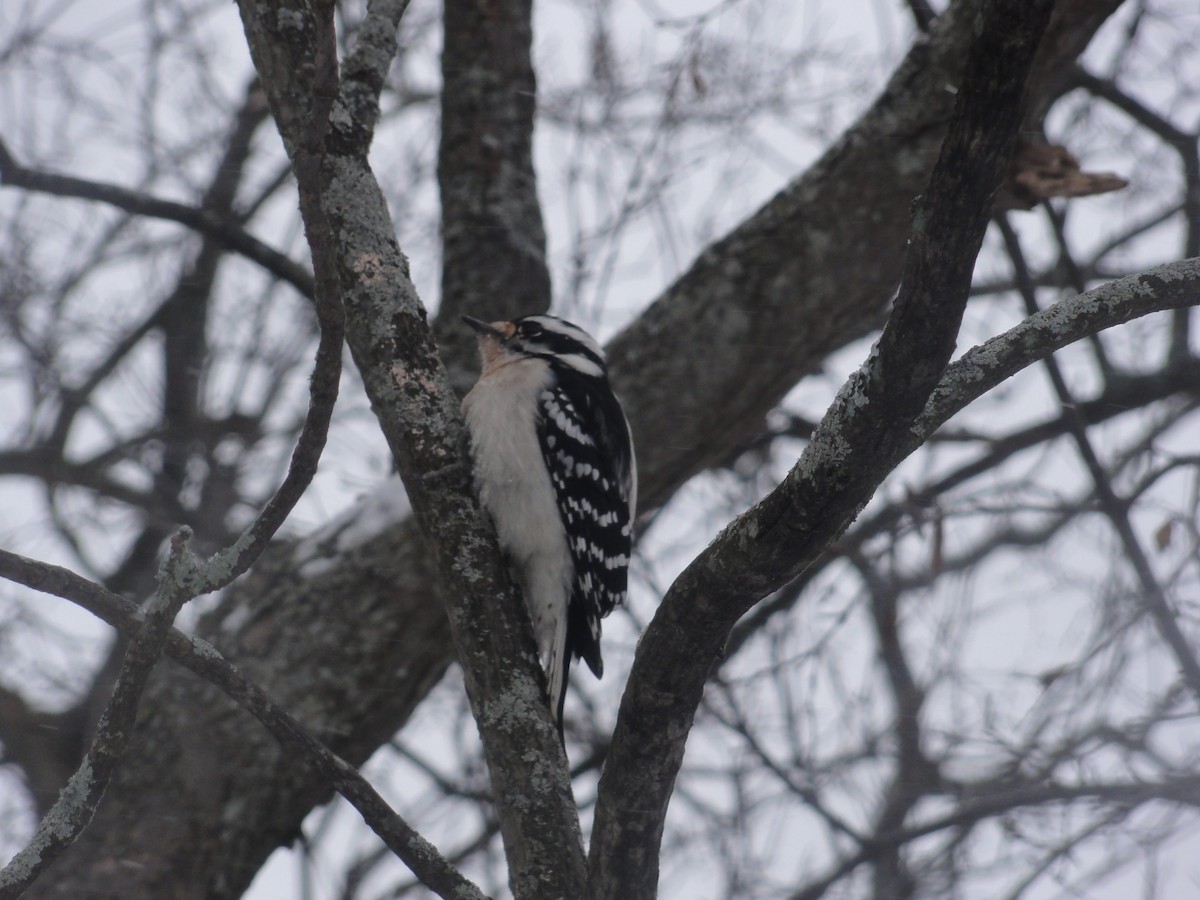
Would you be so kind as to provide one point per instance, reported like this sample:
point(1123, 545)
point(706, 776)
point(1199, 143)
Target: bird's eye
point(531, 329)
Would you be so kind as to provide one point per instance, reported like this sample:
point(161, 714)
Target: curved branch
point(1154, 598)
point(858, 442)
point(1171, 286)
point(77, 804)
point(226, 232)
point(778, 294)
point(203, 659)
point(231, 562)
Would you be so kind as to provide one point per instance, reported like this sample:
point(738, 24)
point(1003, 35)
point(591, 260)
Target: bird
point(554, 466)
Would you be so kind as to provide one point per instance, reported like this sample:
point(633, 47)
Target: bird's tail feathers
point(558, 664)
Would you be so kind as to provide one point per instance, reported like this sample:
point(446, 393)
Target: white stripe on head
point(580, 363)
point(563, 327)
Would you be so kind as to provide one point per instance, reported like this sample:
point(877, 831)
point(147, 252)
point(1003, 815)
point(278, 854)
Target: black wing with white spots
point(586, 446)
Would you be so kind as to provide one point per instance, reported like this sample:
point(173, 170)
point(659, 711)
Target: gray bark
point(350, 633)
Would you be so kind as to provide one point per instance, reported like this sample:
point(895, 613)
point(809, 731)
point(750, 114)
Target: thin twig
point(993, 801)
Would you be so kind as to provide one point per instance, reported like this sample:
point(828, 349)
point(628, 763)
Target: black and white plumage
point(554, 466)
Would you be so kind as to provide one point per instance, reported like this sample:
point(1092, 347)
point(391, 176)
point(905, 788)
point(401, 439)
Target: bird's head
point(555, 340)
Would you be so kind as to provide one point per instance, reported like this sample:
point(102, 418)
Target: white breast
point(501, 412)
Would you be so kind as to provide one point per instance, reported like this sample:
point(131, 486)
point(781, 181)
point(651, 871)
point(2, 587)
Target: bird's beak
point(498, 330)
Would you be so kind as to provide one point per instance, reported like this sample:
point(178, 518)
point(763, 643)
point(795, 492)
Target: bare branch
point(995, 800)
point(855, 446)
point(1153, 596)
point(1171, 286)
point(77, 804)
point(327, 372)
point(227, 233)
point(418, 413)
point(788, 286)
point(203, 659)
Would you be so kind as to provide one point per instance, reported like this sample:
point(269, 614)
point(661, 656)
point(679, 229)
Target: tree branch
point(776, 295)
point(1171, 286)
point(202, 658)
point(79, 799)
point(228, 233)
point(993, 802)
point(231, 562)
point(852, 450)
point(418, 413)
point(492, 232)
point(1153, 597)
point(183, 578)
point(786, 288)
